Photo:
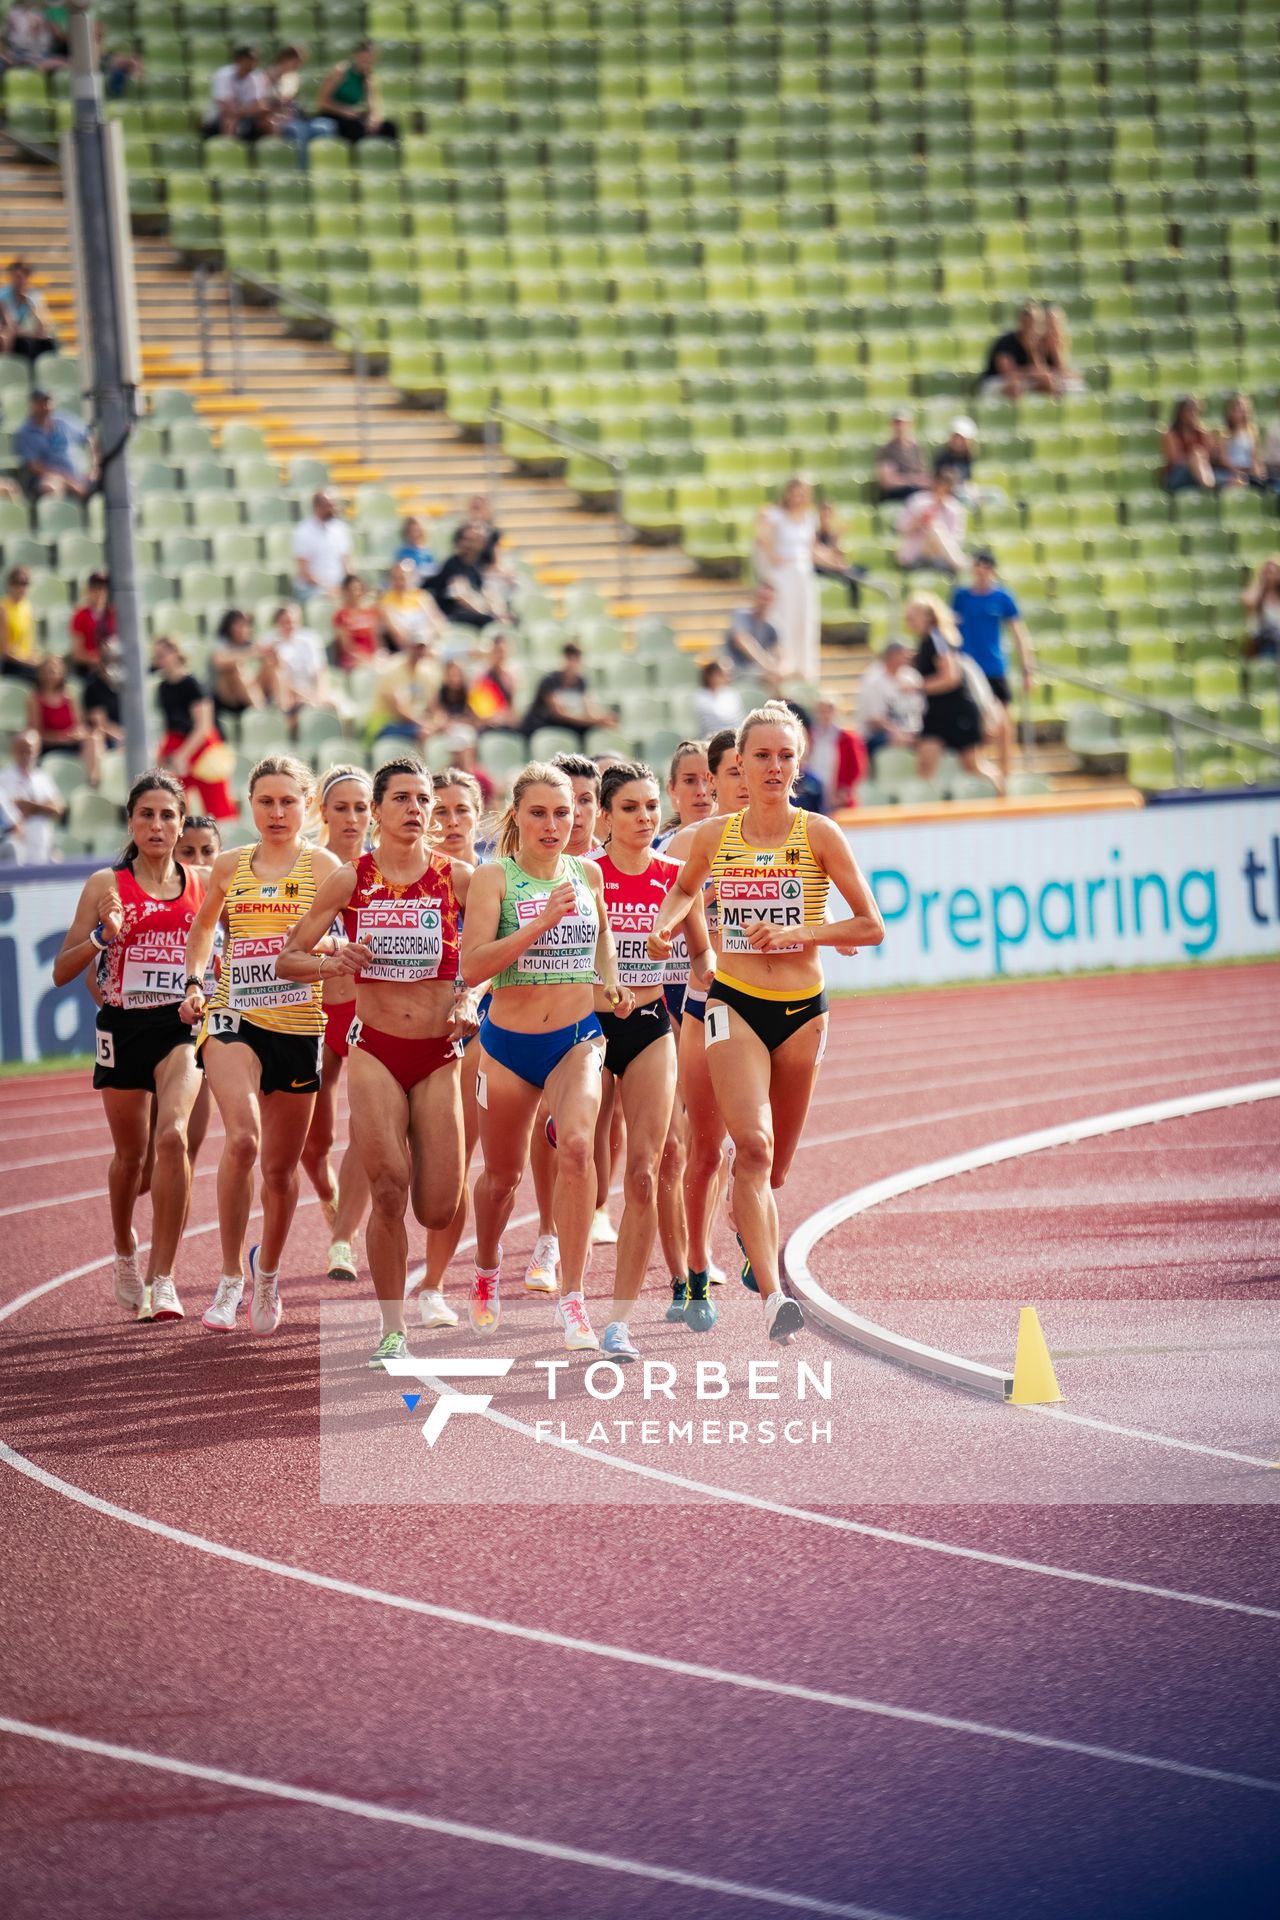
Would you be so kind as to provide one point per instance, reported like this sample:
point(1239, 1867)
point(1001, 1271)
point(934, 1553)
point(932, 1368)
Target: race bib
point(105, 1050)
point(223, 1023)
point(406, 936)
point(758, 896)
point(716, 1025)
point(567, 948)
point(154, 970)
point(677, 969)
point(254, 986)
point(635, 968)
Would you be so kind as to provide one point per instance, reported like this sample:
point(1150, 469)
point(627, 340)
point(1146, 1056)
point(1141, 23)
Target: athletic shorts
point(772, 1021)
point(483, 1009)
point(695, 1004)
point(290, 1062)
point(674, 997)
point(625, 1039)
point(535, 1056)
point(131, 1043)
point(337, 1024)
point(407, 1060)
point(999, 685)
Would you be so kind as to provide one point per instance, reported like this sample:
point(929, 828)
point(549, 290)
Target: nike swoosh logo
point(300, 1083)
point(791, 1010)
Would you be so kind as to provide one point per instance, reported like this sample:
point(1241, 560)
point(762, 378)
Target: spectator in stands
point(1262, 605)
point(952, 717)
point(53, 713)
point(830, 561)
point(495, 688)
point(50, 446)
point(235, 665)
point(349, 97)
point(931, 528)
point(18, 656)
point(900, 467)
point(1014, 365)
point(836, 757)
point(28, 791)
point(753, 645)
point(890, 704)
point(956, 454)
point(1055, 351)
point(294, 665)
point(717, 702)
point(981, 611)
point(413, 547)
point(321, 549)
point(192, 747)
point(356, 627)
point(407, 612)
point(239, 99)
point(100, 698)
point(785, 538)
point(1271, 454)
point(1187, 450)
point(286, 118)
point(29, 40)
point(460, 588)
point(563, 699)
point(92, 623)
point(1235, 451)
point(449, 715)
point(405, 689)
point(480, 514)
point(25, 330)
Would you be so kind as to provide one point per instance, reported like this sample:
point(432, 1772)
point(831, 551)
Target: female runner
point(455, 817)
point(704, 1168)
point(400, 907)
point(200, 845)
point(640, 1052)
point(766, 1021)
point(138, 914)
point(259, 1039)
point(536, 928)
point(343, 804)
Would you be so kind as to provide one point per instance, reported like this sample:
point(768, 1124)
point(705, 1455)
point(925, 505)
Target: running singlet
point(413, 930)
point(563, 954)
point(146, 963)
point(631, 901)
point(259, 915)
point(779, 886)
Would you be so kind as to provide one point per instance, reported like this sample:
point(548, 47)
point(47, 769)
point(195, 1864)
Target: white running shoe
point(265, 1308)
point(165, 1304)
point(571, 1317)
point(783, 1318)
point(220, 1315)
point(542, 1273)
point(603, 1231)
point(484, 1302)
point(129, 1289)
point(342, 1261)
point(716, 1276)
point(617, 1343)
point(435, 1309)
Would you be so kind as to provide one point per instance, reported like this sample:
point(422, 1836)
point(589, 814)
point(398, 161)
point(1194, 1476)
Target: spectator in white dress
point(785, 539)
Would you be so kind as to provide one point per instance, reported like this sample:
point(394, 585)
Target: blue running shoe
point(699, 1314)
point(748, 1277)
point(616, 1342)
point(679, 1298)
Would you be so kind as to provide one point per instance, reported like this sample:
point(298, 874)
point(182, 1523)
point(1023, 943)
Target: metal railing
point(614, 463)
point(1175, 718)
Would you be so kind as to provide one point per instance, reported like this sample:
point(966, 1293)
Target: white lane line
point(448, 1829)
point(102, 1193)
point(603, 1650)
point(837, 1523)
point(1156, 1439)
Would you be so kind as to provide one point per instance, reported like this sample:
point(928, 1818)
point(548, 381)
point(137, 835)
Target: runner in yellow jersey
point(260, 1036)
point(766, 1019)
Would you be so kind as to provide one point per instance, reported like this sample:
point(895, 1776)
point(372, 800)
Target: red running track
point(821, 1718)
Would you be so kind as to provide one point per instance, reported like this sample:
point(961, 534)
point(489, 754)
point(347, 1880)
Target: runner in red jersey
point(400, 908)
point(137, 915)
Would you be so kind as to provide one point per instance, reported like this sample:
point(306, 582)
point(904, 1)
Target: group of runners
point(586, 988)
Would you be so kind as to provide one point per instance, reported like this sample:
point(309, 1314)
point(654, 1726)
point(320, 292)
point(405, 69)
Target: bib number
point(105, 1050)
point(716, 1025)
point(223, 1023)
point(353, 1033)
point(751, 897)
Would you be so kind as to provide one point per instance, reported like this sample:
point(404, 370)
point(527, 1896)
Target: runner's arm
point(620, 998)
point(483, 954)
point(298, 959)
point(98, 903)
point(685, 889)
point(200, 938)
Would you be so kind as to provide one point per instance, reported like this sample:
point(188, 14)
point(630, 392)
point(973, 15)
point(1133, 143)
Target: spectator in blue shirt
point(413, 547)
point(981, 611)
point(50, 446)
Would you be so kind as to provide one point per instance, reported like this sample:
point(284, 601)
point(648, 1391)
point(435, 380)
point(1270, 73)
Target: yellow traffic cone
point(1034, 1381)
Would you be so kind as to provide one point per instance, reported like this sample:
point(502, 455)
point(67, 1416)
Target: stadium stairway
point(418, 456)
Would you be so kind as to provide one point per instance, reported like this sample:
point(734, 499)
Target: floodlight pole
point(106, 280)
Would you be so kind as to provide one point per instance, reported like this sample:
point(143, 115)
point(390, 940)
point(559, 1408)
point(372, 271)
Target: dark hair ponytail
point(154, 780)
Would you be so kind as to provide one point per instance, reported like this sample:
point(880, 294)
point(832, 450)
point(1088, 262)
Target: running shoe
point(342, 1261)
point(541, 1275)
point(617, 1342)
point(603, 1231)
point(220, 1315)
point(435, 1310)
point(265, 1308)
point(699, 1314)
point(129, 1290)
point(484, 1303)
point(716, 1275)
point(748, 1277)
point(165, 1304)
point(571, 1317)
point(392, 1346)
point(679, 1296)
point(783, 1317)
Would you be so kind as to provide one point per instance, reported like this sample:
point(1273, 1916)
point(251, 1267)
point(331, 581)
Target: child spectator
point(355, 627)
point(836, 757)
point(956, 454)
point(92, 623)
point(100, 699)
point(53, 714)
point(449, 714)
point(1187, 450)
point(495, 688)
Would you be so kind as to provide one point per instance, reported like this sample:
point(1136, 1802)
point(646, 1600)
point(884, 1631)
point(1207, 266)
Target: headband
point(336, 780)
